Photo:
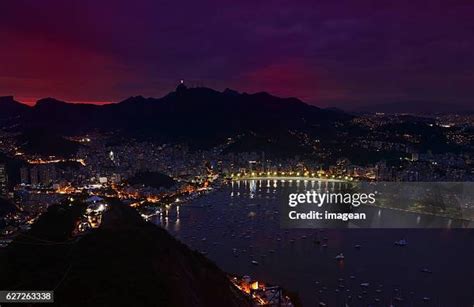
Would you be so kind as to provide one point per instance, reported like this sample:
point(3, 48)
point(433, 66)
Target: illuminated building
point(3, 181)
point(47, 174)
point(24, 175)
point(34, 176)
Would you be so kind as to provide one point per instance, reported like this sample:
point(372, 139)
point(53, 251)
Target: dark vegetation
point(5, 207)
point(152, 179)
point(127, 262)
point(197, 116)
point(202, 117)
point(46, 143)
point(11, 108)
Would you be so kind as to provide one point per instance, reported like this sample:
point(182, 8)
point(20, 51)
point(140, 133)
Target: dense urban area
point(150, 175)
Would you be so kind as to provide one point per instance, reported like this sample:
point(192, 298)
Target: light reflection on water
point(241, 223)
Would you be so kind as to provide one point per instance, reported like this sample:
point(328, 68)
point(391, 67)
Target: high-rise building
point(34, 175)
point(47, 174)
point(3, 181)
point(24, 175)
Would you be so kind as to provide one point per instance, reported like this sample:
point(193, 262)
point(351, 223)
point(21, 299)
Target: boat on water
point(5, 242)
point(401, 242)
point(340, 257)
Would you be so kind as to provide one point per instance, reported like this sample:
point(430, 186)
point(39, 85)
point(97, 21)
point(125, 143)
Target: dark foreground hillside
point(126, 263)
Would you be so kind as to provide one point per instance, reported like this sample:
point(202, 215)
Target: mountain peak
point(186, 114)
point(133, 99)
point(49, 101)
point(181, 87)
point(230, 92)
point(7, 99)
point(9, 107)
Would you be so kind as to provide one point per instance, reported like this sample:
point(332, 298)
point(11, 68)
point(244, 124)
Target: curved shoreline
point(281, 178)
point(301, 178)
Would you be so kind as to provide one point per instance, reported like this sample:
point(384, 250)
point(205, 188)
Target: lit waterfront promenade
point(294, 176)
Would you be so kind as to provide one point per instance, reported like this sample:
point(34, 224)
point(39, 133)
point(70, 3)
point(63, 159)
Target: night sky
point(328, 53)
